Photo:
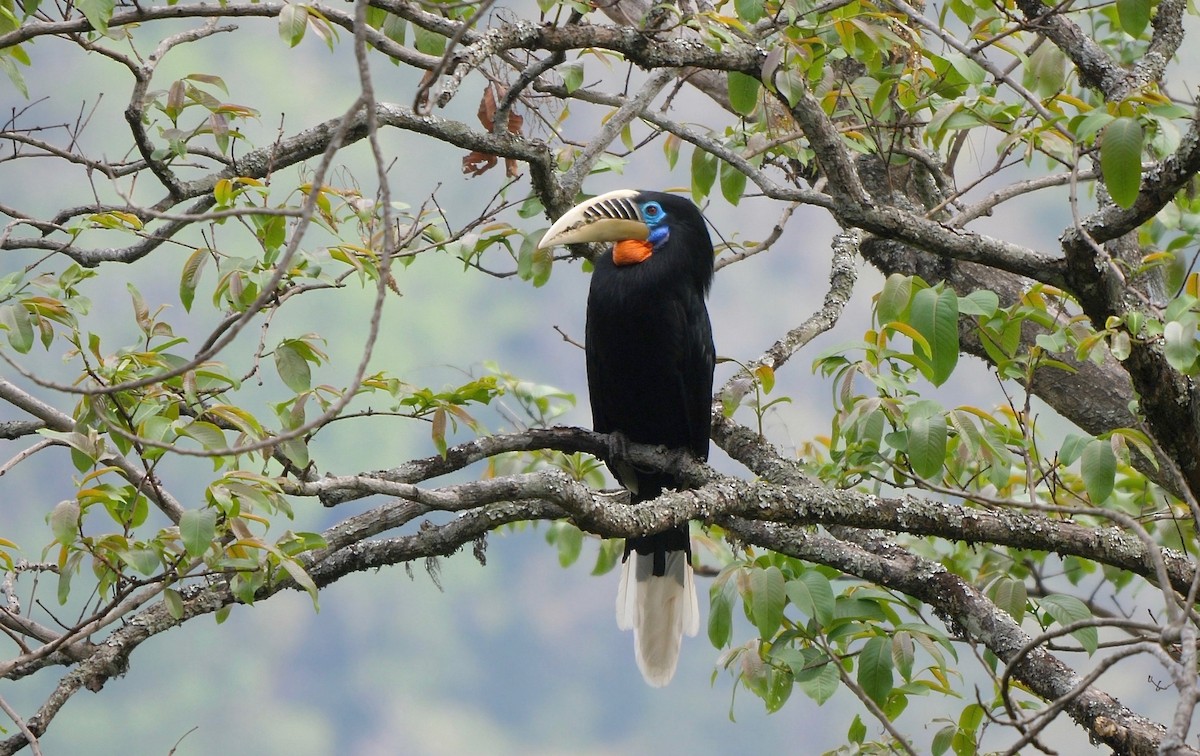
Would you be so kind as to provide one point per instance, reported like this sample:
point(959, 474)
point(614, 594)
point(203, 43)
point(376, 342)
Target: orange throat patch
point(631, 251)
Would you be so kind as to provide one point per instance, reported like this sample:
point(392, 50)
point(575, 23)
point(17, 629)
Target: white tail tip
point(660, 610)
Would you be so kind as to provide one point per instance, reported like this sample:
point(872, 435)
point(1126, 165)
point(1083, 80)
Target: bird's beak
point(609, 217)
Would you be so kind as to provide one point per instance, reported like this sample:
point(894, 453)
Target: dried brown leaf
point(487, 107)
point(478, 163)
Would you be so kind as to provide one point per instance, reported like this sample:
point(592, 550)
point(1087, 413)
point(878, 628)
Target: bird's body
point(650, 365)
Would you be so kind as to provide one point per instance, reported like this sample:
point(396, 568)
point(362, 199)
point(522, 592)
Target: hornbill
point(650, 364)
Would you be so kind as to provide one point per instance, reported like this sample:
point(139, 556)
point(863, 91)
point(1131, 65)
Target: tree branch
point(961, 606)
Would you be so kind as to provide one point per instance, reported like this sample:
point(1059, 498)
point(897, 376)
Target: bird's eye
point(652, 211)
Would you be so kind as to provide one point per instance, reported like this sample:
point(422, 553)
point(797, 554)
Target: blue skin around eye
point(655, 218)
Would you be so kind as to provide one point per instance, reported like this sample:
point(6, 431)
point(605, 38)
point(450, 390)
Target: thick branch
point(784, 494)
point(963, 607)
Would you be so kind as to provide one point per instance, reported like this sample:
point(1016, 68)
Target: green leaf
point(935, 316)
point(927, 445)
point(1121, 346)
point(813, 596)
point(979, 303)
point(791, 84)
point(608, 556)
point(271, 230)
point(893, 301)
point(965, 741)
point(1099, 468)
point(858, 730)
point(525, 256)
point(779, 689)
point(904, 653)
point(542, 263)
point(428, 42)
point(767, 597)
point(190, 278)
point(875, 669)
point(1011, 596)
point(174, 603)
point(296, 451)
point(1139, 440)
point(209, 435)
point(10, 69)
point(671, 149)
point(292, 367)
point(1068, 609)
point(1134, 15)
point(704, 173)
point(1046, 70)
point(144, 561)
point(848, 608)
point(98, 12)
point(293, 21)
point(64, 521)
point(750, 11)
point(895, 705)
point(64, 577)
point(1180, 344)
point(1121, 160)
point(971, 717)
point(1088, 125)
point(1072, 448)
point(198, 529)
point(18, 323)
point(238, 418)
point(302, 578)
point(942, 739)
point(394, 28)
point(733, 183)
point(720, 613)
point(971, 71)
point(569, 540)
point(572, 75)
point(531, 208)
point(310, 541)
point(141, 311)
point(8, 21)
point(818, 681)
point(743, 92)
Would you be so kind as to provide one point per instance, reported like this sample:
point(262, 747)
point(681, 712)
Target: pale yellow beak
point(609, 217)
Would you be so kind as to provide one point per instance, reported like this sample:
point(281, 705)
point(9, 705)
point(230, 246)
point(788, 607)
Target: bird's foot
point(678, 460)
point(618, 447)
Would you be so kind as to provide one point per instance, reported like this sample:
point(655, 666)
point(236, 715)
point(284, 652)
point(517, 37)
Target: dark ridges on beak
point(617, 207)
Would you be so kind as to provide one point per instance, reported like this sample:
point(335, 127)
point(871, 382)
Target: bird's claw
point(618, 446)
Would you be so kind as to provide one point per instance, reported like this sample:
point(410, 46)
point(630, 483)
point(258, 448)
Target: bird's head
point(641, 224)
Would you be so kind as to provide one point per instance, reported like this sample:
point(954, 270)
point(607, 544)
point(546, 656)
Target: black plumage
point(650, 365)
point(650, 351)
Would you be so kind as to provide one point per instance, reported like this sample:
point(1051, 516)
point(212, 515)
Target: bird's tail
point(657, 600)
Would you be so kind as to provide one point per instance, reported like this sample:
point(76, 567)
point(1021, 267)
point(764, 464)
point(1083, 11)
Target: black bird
point(650, 376)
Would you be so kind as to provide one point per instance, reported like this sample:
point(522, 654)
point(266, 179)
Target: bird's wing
point(695, 368)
